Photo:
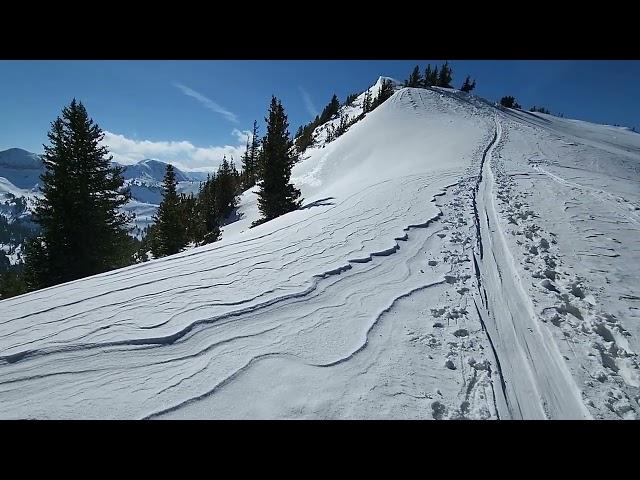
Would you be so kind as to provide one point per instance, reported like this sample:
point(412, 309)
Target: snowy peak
point(154, 170)
point(17, 158)
point(150, 169)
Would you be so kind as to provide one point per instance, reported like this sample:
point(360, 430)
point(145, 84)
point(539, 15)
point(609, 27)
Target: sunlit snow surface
point(372, 301)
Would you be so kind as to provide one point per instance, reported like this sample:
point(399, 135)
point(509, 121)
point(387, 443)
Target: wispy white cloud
point(183, 154)
point(243, 136)
point(207, 102)
point(308, 103)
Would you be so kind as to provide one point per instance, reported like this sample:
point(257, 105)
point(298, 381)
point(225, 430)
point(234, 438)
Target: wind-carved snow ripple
point(310, 291)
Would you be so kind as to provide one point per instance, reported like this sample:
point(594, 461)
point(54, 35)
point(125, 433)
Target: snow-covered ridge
point(377, 299)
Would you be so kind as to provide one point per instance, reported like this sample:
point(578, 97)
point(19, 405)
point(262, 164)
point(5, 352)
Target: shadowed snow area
point(443, 267)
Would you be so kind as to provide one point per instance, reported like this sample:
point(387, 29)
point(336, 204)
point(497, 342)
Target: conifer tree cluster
point(250, 160)
point(181, 219)
point(415, 79)
point(386, 90)
point(539, 109)
point(304, 135)
point(82, 230)
point(170, 226)
point(509, 102)
point(468, 85)
point(12, 283)
point(366, 102)
point(334, 132)
point(350, 99)
point(436, 77)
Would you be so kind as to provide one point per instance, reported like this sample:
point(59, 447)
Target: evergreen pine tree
point(342, 126)
point(427, 81)
point(415, 79)
point(170, 230)
point(276, 195)
point(208, 210)
point(435, 76)
point(12, 284)
point(366, 103)
point(350, 98)
point(226, 190)
point(253, 154)
point(468, 86)
point(189, 212)
point(445, 76)
point(509, 101)
point(330, 110)
point(246, 167)
point(386, 90)
point(83, 231)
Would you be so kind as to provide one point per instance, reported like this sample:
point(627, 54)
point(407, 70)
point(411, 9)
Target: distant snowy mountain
point(20, 172)
point(19, 159)
point(20, 168)
point(23, 169)
point(154, 170)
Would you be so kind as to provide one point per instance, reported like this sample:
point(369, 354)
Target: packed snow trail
point(538, 385)
point(568, 194)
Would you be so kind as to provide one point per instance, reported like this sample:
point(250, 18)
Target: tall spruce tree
point(434, 76)
point(415, 79)
point(366, 102)
point(468, 85)
point(385, 92)
point(330, 110)
point(254, 152)
point(276, 195)
point(427, 81)
point(83, 232)
point(226, 189)
point(509, 101)
point(245, 162)
point(445, 77)
point(170, 229)
point(208, 210)
point(249, 159)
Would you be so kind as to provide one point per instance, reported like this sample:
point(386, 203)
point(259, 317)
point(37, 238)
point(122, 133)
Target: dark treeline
point(539, 109)
point(509, 101)
point(436, 77)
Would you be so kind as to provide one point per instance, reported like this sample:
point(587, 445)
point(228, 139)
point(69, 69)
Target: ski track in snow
point(432, 287)
point(538, 385)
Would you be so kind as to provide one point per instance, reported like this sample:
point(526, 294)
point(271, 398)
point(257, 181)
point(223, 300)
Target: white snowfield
point(452, 260)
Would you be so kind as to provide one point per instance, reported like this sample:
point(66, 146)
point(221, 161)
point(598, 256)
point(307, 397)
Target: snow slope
point(402, 289)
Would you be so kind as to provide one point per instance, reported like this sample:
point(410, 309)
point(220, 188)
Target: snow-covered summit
point(17, 158)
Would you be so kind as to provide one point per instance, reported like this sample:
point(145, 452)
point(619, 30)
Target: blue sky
point(193, 112)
